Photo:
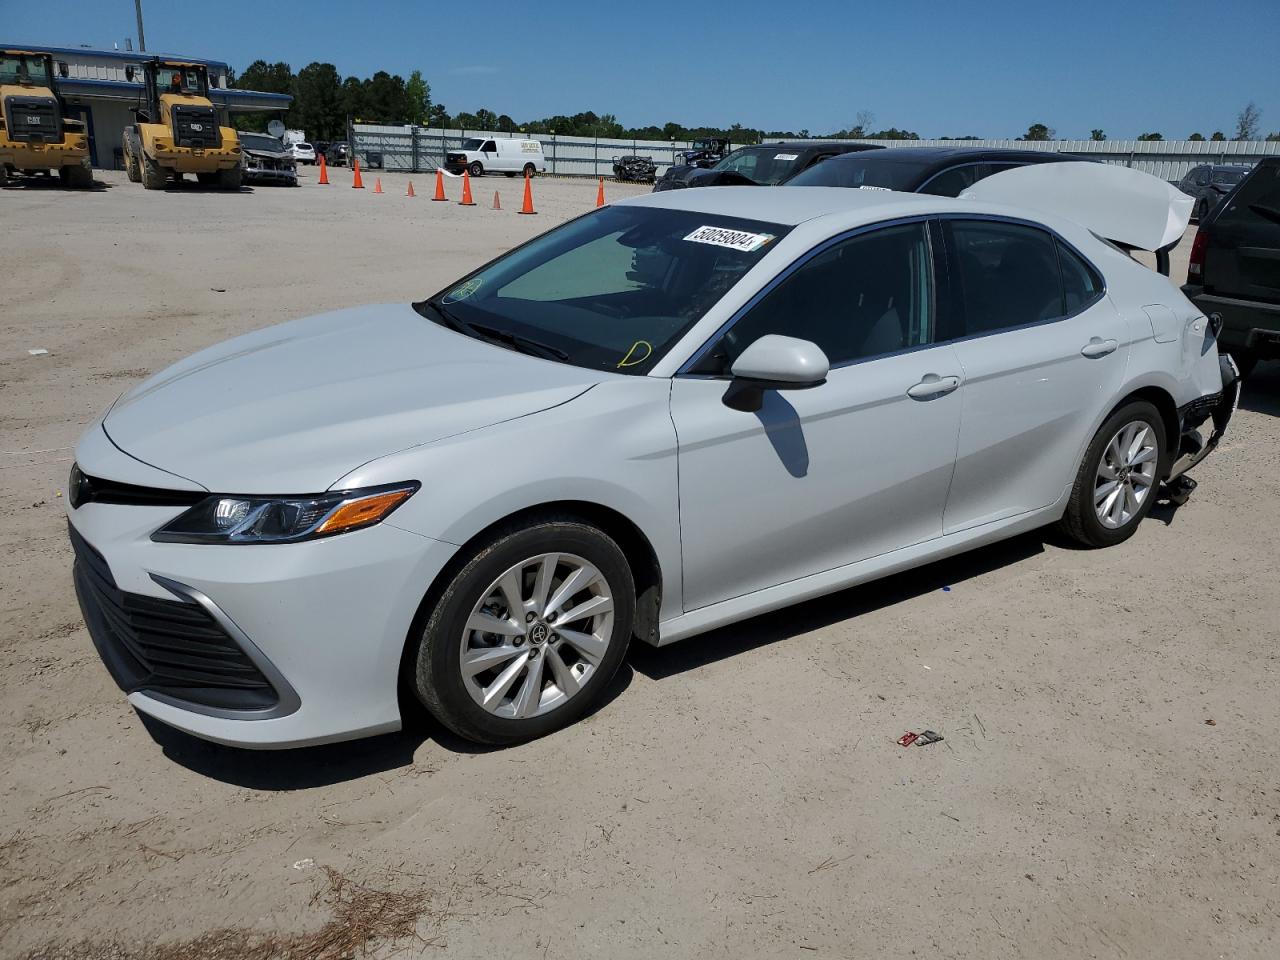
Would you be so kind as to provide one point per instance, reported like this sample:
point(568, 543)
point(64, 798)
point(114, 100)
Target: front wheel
point(1117, 482)
point(153, 176)
point(476, 169)
point(526, 636)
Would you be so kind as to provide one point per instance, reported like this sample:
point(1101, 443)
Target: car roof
point(788, 205)
point(946, 156)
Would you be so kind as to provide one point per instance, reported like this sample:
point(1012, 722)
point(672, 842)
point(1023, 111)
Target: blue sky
point(986, 67)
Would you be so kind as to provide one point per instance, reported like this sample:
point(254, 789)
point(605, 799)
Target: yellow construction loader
point(34, 135)
point(177, 130)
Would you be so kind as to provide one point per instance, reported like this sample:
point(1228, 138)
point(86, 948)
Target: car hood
point(293, 408)
point(272, 154)
point(678, 177)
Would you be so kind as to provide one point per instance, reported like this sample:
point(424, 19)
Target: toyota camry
point(665, 416)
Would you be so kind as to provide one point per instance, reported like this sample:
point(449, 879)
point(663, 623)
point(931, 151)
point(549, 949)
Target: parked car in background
point(336, 155)
point(267, 160)
point(1209, 183)
point(941, 171)
point(321, 148)
point(303, 152)
point(509, 155)
point(1234, 272)
point(635, 169)
point(667, 415)
point(768, 164)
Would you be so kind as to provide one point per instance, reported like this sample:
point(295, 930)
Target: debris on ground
point(919, 739)
point(38, 352)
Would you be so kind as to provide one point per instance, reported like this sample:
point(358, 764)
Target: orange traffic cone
point(600, 194)
point(439, 186)
point(497, 201)
point(527, 207)
point(410, 193)
point(356, 182)
point(324, 172)
point(377, 185)
point(466, 200)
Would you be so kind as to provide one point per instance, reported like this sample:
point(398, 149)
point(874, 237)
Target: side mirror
point(775, 362)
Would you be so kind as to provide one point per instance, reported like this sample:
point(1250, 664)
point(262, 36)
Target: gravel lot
point(1109, 785)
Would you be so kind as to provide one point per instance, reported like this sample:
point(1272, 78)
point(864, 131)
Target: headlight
point(251, 519)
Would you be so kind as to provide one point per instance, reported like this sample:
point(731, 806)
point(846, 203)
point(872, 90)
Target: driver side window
point(868, 295)
point(488, 147)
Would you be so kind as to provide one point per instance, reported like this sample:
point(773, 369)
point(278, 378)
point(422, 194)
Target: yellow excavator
point(177, 130)
point(34, 135)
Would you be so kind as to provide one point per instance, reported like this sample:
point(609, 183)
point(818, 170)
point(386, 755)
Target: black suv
point(1235, 267)
point(1209, 183)
point(768, 164)
point(941, 171)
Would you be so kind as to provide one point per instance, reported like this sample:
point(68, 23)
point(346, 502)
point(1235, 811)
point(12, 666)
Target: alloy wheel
point(537, 635)
point(1126, 474)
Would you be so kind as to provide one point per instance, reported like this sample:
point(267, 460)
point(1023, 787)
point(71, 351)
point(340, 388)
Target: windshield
point(854, 170)
point(769, 165)
point(184, 80)
point(475, 143)
point(1228, 177)
point(24, 70)
point(613, 290)
point(260, 141)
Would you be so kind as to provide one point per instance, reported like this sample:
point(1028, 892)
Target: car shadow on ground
point(1261, 393)
point(302, 768)
point(194, 186)
point(658, 663)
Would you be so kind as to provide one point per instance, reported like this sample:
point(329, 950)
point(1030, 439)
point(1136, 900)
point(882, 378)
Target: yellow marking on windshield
point(648, 352)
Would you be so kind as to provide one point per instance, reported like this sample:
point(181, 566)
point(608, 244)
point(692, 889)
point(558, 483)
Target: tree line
point(323, 100)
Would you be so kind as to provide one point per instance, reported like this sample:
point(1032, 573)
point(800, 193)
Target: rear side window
point(1257, 200)
point(1008, 275)
point(1081, 284)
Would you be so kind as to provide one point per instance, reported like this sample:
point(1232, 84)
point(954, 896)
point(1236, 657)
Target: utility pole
point(142, 40)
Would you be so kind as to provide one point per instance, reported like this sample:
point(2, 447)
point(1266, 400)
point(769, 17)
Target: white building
point(95, 87)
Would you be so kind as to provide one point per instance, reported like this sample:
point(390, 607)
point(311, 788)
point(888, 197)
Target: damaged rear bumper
point(1216, 409)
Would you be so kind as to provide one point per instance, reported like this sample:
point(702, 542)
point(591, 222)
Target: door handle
point(932, 386)
point(1097, 347)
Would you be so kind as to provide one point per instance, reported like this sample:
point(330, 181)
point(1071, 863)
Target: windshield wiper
point(517, 342)
point(480, 331)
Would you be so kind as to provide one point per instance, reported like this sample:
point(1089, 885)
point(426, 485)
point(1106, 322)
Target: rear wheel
point(526, 636)
point(1117, 482)
point(476, 169)
point(153, 177)
point(230, 179)
point(131, 169)
point(530, 170)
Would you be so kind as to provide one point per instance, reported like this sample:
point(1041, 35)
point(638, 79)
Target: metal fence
point(418, 149)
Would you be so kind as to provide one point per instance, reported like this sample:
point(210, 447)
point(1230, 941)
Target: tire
point(131, 169)
point(530, 170)
point(4, 176)
point(539, 662)
point(153, 177)
point(476, 169)
point(1245, 360)
point(76, 176)
point(1082, 521)
point(231, 179)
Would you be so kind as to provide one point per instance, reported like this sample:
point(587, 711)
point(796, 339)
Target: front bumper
point(288, 175)
point(323, 623)
point(1246, 324)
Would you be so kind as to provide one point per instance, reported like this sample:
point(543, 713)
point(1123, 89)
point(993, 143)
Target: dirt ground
point(1109, 785)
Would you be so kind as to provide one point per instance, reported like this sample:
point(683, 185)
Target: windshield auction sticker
point(733, 239)
point(462, 291)
point(786, 156)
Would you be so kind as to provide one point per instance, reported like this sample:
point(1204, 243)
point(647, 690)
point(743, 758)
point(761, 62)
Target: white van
point(509, 155)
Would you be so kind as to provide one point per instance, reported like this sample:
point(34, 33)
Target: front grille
point(164, 646)
point(82, 489)
point(195, 126)
point(33, 119)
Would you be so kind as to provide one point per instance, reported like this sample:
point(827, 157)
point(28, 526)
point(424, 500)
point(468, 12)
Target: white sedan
point(671, 414)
